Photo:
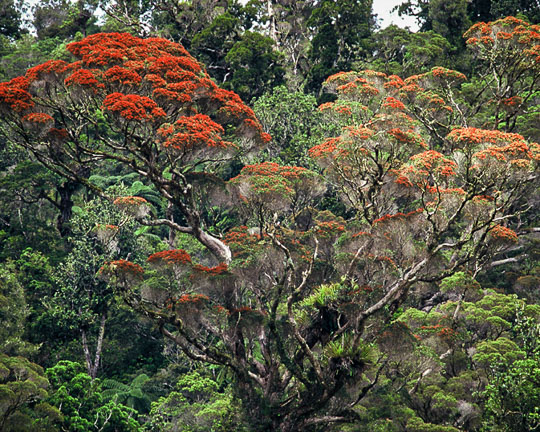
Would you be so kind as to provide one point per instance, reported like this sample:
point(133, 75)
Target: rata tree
point(508, 51)
point(297, 303)
point(304, 315)
point(144, 104)
point(502, 93)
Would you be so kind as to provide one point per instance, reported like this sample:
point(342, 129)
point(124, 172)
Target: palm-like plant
point(131, 395)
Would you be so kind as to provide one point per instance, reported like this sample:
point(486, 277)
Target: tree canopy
point(369, 263)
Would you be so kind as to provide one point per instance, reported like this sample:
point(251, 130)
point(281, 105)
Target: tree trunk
point(272, 26)
point(65, 204)
point(92, 366)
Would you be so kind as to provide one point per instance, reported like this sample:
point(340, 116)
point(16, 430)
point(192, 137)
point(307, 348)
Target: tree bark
point(92, 366)
point(65, 205)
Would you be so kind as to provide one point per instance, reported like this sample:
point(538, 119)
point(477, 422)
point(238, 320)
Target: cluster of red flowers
point(361, 233)
point(403, 181)
point(241, 241)
point(361, 132)
point(122, 76)
point(449, 191)
point(512, 101)
point(368, 90)
point(504, 35)
point(122, 267)
point(409, 89)
point(246, 311)
point(101, 48)
point(499, 232)
point(218, 270)
point(363, 84)
point(342, 77)
point(448, 74)
point(15, 94)
point(270, 182)
point(232, 105)
point(407, 137)
point(394, 82)
point(372, 74)
point(471, 136)
point(509, 33)
point(519, 151)
point(128, 201)
point(163, 73)
point(37, 118)
point(170, 257)
point(344, 108)
point(186, 300)
point(397, 216)
point(107, 227)
point(85, 78)
point(432, 161)
point(350, 87)
point(326, 106)
point(133, 107)
point(433, 101)
point(329, 229)
point(386, 259)
point(192, 299)
point(328, 147)
point(273, 169)
point(393, 103)
point(440, 330)
point(193, 132)
point(51, 67)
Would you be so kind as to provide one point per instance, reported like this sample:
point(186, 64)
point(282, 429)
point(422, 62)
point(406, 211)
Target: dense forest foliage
point(269, 215)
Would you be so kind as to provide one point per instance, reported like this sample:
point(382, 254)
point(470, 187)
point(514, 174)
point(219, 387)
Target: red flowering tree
point(508, 51)
point(145, 104)
point(297, 303)
point(304, 312)
point(502, 95)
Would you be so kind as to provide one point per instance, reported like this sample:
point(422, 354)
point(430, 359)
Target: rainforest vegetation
point(269, 215)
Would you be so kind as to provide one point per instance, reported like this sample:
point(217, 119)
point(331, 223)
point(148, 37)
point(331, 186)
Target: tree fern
point(131, 395)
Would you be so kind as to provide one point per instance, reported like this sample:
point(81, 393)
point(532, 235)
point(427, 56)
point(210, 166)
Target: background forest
point(349, 245)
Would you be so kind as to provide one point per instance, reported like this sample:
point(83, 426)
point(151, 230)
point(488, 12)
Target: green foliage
point(255, 66)
point(341, 32)
point(322, 296)
point(22, 387)
point(10, 19)
point(197, 405)
point(401, 52)
point(460, 282)
point(27, 52)
point(416, 424)
point(131, 395)
point(449, 19)
point(60, 18)
point(295, 124)
point(80, 400)
point(27, 205)
point(214, 42)
point(344, 347)
point(13, 313)
point(512, 395)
